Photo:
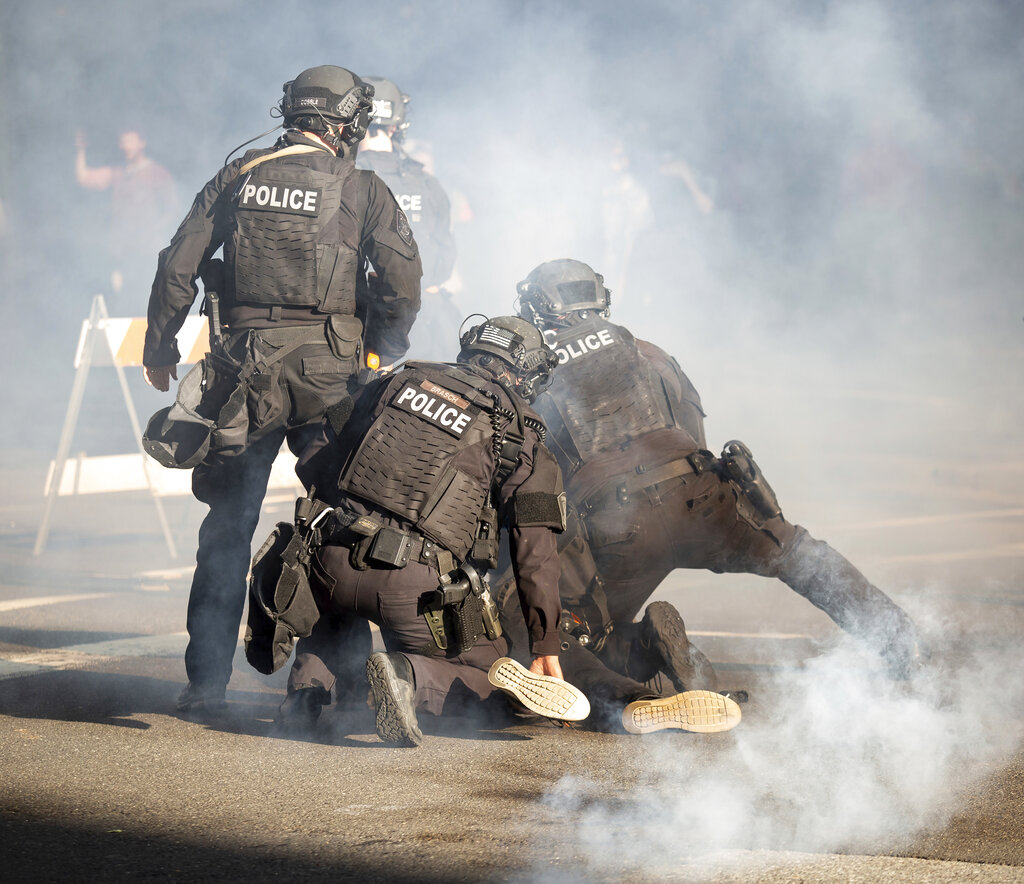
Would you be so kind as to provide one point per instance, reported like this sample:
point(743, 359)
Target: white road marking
point(1006, 551)
point(931, 520)
point(18, 604)
point(75, 656)
point(778, 636)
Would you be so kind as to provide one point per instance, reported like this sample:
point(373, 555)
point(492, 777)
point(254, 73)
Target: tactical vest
point(293, 244)
point(406, 179)
point(405, 462)
point(604, 392)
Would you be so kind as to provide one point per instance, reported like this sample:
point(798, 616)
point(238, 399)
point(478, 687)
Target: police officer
point(626, 426)
point(426, 204)
point(421, 469)
point(299, 226)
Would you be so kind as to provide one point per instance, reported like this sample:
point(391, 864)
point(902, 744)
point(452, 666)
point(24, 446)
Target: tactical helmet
point(556, 289)
point(519, 345)
point(332, 94)
point(178, 436)
point(390, 104)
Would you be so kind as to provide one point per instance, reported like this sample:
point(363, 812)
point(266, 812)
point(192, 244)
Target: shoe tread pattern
point(393, 724)
point(550, 697)
point(703, 712)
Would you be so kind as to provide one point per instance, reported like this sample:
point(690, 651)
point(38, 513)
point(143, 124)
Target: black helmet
point(518, 344)
point(179, 436)
point(556, 289)
point(390, 104)
point(331, 94)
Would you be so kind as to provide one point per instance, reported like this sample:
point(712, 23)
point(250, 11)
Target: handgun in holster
point(737, 464)
point(459, 609)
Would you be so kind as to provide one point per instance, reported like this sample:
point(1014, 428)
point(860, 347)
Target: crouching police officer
point(298, 225)
point(626, 426)
point(413, 479)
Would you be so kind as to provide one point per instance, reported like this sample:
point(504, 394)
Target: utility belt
point(622, 489)
point(755, 499)
point(457, 613)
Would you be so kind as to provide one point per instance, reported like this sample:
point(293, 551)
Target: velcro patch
point(539, 509)
point(447, 410)
point(402, 226)
point(293, 199)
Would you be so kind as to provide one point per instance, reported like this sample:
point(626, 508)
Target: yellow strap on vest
point(284, 151)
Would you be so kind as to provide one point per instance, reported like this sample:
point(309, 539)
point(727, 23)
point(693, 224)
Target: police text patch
point(582, 346)
point(437, 405)
point(294, 199)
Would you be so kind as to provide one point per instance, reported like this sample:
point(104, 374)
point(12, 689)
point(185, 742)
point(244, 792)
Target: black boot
point(393, 686)
point(663, 636)
point(202, 698)
point(300, 711)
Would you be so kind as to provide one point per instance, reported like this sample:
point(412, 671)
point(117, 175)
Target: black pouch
point(281, 603)
point(344, 337)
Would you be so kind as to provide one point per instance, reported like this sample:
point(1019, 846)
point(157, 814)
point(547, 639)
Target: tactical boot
point(202, 697)
point(541, 694)
point(300, 711)
point(700, 712)
point(392, 683)
point(663, 634)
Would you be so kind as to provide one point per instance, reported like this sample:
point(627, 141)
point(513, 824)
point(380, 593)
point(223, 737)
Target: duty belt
point(370, 541)
point(390, 546)
point(644, 479)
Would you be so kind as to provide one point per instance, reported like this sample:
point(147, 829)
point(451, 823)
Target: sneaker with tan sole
point(542, 694)
point(700, 712)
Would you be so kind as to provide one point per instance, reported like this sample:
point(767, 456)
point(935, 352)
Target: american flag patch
point(500, 336)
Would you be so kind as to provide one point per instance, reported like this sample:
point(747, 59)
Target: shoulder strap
point(284, 151)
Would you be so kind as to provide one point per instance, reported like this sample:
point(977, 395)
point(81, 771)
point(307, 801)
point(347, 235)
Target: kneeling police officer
point(411, 481)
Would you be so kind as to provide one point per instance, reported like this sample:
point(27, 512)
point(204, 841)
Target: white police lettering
point(285, 197)
point(439, 406)
point(410, 202)
point(583, 346)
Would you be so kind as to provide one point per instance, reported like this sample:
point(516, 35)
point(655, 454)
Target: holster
point(460, 610)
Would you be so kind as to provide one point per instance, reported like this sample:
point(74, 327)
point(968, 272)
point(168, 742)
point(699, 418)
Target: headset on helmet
point(331, 94)
point(390, 104)
point(555, 291)
point(519, 345)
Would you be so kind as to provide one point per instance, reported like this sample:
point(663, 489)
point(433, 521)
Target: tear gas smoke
point(836, 758)
point(814, 206)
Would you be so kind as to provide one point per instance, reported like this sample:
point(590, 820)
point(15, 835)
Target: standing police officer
point(426, 204)
point(626, 426)
point(298, 224)
point(421, 470)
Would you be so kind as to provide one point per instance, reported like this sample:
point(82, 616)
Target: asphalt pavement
point(835, 773)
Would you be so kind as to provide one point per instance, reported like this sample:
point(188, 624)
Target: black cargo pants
point(693, 521)
point(391, 598)
point(287, 402)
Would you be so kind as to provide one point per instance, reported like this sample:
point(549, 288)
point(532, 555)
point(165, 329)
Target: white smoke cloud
point(831, 757)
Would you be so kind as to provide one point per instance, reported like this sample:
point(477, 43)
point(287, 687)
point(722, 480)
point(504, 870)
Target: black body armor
point(605, 393)
point(407, 462)
point(292, 244)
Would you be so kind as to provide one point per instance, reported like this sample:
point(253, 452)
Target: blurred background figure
point(143, 213)
point(424, 201)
